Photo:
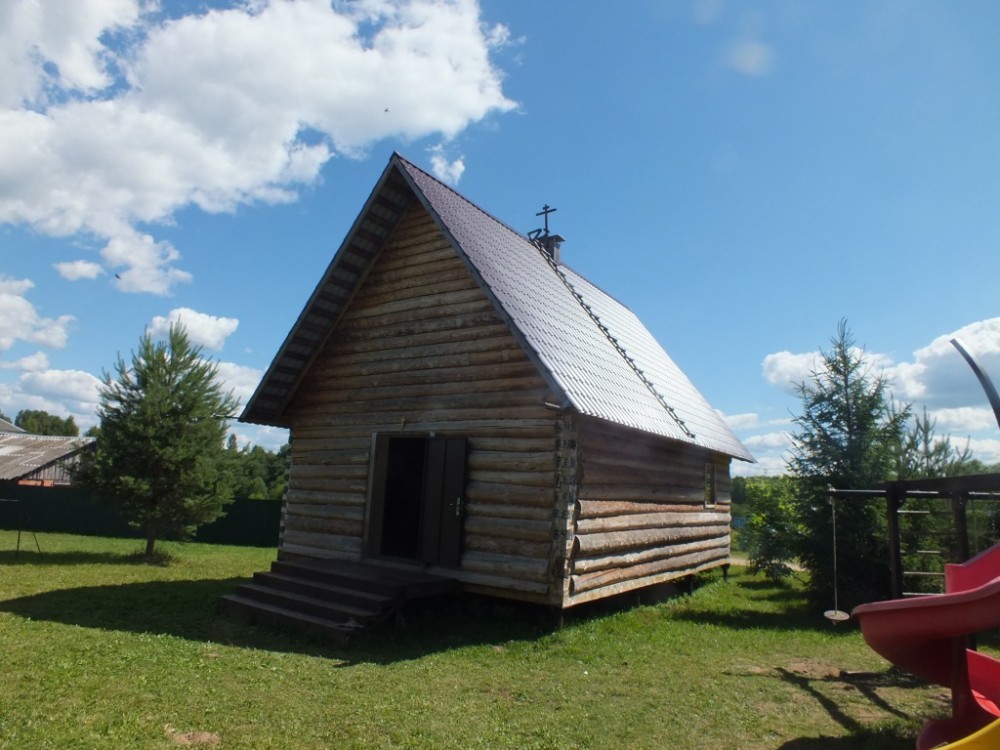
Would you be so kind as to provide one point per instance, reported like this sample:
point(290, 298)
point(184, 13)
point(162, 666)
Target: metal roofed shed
point(462, 402)
point(39, 459)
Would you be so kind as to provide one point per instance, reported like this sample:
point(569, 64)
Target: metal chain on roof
point(614, 342)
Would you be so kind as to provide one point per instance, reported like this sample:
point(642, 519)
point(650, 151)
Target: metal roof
point(592, 350)
point(21, 454)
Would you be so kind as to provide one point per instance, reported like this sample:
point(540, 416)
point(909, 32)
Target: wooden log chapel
point(462, 403)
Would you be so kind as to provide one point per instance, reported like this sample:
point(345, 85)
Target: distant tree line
point(38, 422)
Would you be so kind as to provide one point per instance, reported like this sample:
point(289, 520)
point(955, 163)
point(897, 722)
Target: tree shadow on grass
point(36, 559)
point(185, 609)
point(861, 737)
point(191, 609)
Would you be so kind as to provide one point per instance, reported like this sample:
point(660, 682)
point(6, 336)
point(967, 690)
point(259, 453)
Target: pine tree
point(160, 449)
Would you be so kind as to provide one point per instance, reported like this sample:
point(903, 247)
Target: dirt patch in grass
point(187, 739)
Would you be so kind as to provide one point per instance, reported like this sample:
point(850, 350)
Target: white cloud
point(241, 380)
point(79, 269)
point(20, 321)
point(937, 378)
point(445, 170)
point(941, 378)
point(60, 392)
point(46, 45)
point(238, 105)
point(741, 421)
point(987, 450)
point(749, 57)
point(32, 363)
point(964, 419)
point(203, 329)
point(771, 440)
point(786, 370)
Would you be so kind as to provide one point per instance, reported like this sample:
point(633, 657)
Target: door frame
point(442, 511)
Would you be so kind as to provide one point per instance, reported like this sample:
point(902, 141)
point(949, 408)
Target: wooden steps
point(332, 597)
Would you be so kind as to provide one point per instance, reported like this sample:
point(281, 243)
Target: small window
point(710, 485)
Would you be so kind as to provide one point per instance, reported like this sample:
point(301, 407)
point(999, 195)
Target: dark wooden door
point(444, 487)
point(417, 501)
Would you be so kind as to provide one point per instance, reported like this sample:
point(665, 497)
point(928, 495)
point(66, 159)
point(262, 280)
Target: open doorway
point(416, 509)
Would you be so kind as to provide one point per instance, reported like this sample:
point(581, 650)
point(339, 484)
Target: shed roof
point(6, 426)
point(22, 454)
point(593, 351)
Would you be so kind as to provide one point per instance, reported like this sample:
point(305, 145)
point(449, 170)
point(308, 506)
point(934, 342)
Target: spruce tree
point(847, 433)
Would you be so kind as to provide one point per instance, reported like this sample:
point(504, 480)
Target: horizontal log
point(416, 288)
point(495, 338)
point(319, 455)
point(514, 444)
point(512, 547)
point(650, 521)
point(620, 541)
point(330, 442)
point(328, 542)
point(339, 512)
point(512, 460)
point(634, 584)
point(292, 551)
point(356, 482)
point(638, 492)
point(661, 472)
point(414, 336)
point(492, 510)
point(593, 564)
point(506, 566)
point(681, 564)
point(323, 525)
point(297, 493)
point(521, 374)
point(355, 332)
point(373, 366)
point(604, 508)
point(510, 528)
point(498, 391)
point(487, 403)
point(323, 424)
point(540, 479)
point(422, 278)
point(455, 311)
point(435, 302)
point(491, 493)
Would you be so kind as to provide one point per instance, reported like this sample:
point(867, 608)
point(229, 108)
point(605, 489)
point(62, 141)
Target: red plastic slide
point(927, 636)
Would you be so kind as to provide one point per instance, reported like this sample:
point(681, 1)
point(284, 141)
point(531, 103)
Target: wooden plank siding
point(421, 349)
point(641, 516)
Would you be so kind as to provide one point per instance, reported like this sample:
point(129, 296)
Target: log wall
point(641, 516)
point(421, 349)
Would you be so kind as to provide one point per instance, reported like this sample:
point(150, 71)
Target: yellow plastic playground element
point(987, 738)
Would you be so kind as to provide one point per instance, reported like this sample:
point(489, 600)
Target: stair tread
point(313, 601)
point(334, 589)
point(292, 615)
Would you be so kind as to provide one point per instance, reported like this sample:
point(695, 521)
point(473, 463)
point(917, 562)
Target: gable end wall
point(420, 349)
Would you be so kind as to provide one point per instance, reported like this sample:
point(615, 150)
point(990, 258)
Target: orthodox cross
point(546, 210)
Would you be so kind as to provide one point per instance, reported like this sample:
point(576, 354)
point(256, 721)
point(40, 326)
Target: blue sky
point(743, 175)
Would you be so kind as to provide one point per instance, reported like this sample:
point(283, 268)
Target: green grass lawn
point(100, 651)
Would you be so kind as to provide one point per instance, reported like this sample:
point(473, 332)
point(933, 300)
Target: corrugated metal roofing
point(21, 454)
point(589, 346)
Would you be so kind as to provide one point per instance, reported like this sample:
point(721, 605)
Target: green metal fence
point(71, 510)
